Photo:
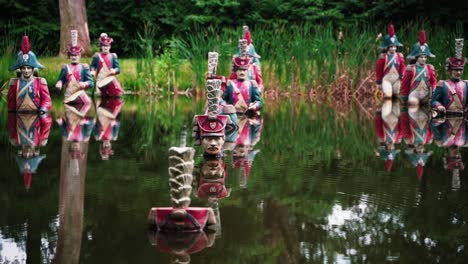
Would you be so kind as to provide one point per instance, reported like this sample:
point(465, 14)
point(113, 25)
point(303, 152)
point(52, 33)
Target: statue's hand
point(59, 85)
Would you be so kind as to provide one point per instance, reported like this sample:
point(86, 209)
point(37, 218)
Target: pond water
point(317, 187)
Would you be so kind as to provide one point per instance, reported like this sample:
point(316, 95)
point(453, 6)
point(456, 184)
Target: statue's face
point(75, 58)
point(212, 145)
point(392, 49)
point(421, 60)
point(75, 146)
point(26, 71)
point(213, 169)
point(105, 48)
point(455, 74)
point(241, 74)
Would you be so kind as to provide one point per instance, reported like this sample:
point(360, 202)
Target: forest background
point(150, 28)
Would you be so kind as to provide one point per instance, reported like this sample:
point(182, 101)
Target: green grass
point(294, 57)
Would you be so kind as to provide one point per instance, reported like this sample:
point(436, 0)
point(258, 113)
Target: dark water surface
point(316, 192)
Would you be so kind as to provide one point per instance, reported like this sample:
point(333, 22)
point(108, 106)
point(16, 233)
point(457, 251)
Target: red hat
point(27, 177)
point(211, 126)
point(105, 40)
point(239, 63)
point(76, 155)
point(74, 48)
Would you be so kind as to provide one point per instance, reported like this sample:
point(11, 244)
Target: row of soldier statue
point(417, 83)
point(29, 93)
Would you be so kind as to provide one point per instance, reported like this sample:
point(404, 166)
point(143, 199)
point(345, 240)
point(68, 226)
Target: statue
point(29, 132)
point(250, 47)
point(210, 130)
point(390, 65)
point(389, 131)
point(420, 78)
point(106, 66)
point(27, 93)
point(180, 217)
point(107, 125)
point(243, 58)
point(450, 95)
point(75, 76)
point(242, 92)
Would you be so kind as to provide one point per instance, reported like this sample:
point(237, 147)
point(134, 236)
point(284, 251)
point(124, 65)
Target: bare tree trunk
point(73, 16)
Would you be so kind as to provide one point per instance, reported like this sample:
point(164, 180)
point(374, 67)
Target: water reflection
point(418, 133)
point(244, 152)
point(450, 133)
point(76, 130)
point(28, 132)
point(107, 126)
point(388, 129)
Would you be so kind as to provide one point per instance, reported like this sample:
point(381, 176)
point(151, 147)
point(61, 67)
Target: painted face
point(392, 49)
point(455, 74)
point(241, 73)
point(212, 145)
point(75, 146)
point(213, 169)
point(26, 71)
point(421, 60)
point(105, 48)
point(75, 58)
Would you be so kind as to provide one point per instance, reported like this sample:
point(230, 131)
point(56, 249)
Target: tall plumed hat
point(26, 57)
point(457, 62)
point(104, 39)
point(74, 48)
point(420, 48)
point(390, 39)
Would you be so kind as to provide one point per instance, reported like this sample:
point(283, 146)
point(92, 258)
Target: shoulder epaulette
point(86, 66)
point(114, 54)
point(409, 67)
point(43, 80)
point(382, 55)
point(431, 66)
point(440, 83)
point(12, 81)
point(96, 54)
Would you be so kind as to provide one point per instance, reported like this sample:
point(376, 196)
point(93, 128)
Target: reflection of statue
point(452, 134)
point(243, 154)
point(29, 132)
point(420, 78)
point(210, 179)
point(450, 95)
point(181, 245)
point(417, 133)
point(390, 66)
point(106, 66)
point(108, 124)
point(389, 131)
point(75, 76)
point(453, 162)
point(28, 93)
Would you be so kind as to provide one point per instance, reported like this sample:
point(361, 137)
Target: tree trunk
point(73, 16)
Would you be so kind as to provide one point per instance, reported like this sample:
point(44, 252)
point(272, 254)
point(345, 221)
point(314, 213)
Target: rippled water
point(316, 192)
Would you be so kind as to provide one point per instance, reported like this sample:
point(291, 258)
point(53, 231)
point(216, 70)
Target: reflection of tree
point(71, 205)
